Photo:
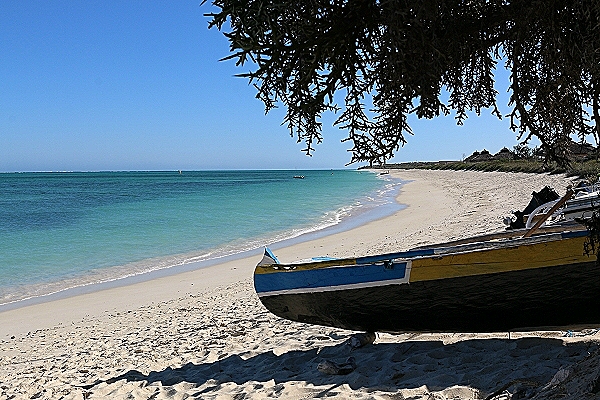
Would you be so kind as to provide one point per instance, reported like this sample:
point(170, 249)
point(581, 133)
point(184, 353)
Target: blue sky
point(131, 85)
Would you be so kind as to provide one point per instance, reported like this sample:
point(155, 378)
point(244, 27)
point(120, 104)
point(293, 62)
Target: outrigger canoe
point(584, 201)
point(493, 283)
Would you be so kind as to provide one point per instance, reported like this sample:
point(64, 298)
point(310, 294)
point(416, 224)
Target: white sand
point(204, 334)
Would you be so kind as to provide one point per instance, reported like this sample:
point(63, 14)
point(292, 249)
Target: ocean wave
point(371, 206)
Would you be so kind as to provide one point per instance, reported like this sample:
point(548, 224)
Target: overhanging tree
point(389, 59)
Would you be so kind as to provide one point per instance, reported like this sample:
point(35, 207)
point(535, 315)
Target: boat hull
point(522, 287)
point(519, 300)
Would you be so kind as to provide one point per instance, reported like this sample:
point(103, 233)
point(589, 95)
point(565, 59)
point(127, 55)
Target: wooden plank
point(545, 254)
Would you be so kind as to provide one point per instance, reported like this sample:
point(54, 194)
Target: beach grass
point(582, 169)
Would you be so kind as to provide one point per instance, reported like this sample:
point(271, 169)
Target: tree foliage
point(392, 58)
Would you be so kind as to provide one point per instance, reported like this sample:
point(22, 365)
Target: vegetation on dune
point(521, 158)
point(589, 170)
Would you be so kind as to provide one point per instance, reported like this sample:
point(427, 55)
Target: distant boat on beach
point(522, 279)
point(582, 202)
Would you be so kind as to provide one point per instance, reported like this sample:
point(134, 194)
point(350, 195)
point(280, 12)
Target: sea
point(62, 231)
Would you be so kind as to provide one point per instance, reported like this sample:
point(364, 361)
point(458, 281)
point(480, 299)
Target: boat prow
point(268, 258)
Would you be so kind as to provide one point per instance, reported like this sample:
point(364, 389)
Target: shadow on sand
point(483, 364)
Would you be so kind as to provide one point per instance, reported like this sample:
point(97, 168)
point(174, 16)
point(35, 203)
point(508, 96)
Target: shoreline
point(205, 333)
point(387, 196)
point(41, 305)
point(391, 237)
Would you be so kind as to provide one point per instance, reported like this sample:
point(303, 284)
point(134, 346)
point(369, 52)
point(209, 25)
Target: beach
point(204, 334)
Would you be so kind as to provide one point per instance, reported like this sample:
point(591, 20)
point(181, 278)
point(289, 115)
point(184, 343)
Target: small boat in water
point(498, 282)
point(298, 176)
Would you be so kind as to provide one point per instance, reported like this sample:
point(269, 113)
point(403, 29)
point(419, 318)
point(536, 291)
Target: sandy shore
point(204, 334)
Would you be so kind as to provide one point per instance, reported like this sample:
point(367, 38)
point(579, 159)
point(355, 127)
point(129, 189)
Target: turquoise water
point(62, 230)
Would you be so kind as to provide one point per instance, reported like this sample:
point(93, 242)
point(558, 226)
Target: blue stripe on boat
point(328, 277)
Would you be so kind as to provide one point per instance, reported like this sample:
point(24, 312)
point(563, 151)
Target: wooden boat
point(585, 201)
point(491, 283)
